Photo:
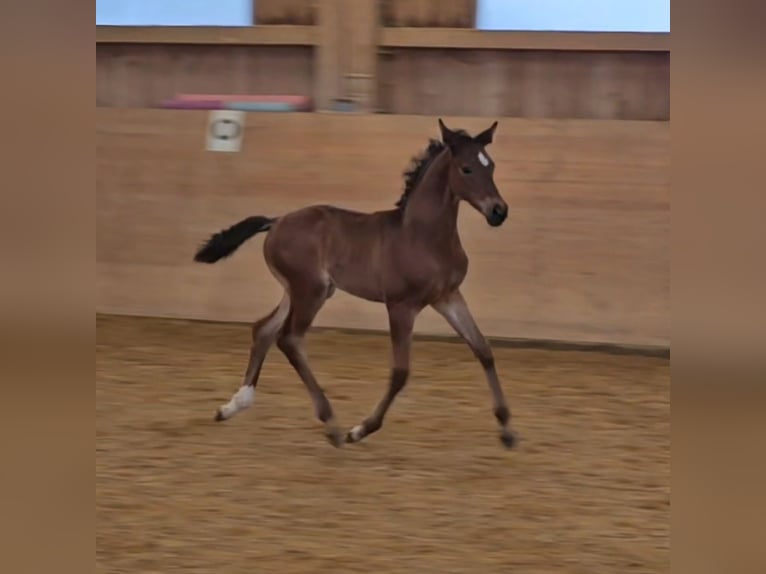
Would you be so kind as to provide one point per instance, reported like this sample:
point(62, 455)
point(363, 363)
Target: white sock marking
point(357, 433)
point(245, 396)
point(241, 400)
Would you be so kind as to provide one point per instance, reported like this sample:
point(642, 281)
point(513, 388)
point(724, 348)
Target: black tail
point(226, 242)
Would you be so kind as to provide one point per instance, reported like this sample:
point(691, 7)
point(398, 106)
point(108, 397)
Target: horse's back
point(328, 221)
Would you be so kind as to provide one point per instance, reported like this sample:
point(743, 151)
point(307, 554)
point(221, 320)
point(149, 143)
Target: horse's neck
point(431, 206)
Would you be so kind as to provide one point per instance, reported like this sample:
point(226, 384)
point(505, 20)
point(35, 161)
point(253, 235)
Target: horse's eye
point(465, 170)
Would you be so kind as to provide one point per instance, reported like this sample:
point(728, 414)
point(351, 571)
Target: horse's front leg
point(455, 310)
point(401, 319)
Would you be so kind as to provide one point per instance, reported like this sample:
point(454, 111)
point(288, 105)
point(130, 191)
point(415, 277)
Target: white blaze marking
point(483, 159)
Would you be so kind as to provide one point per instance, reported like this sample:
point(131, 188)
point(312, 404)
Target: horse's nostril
point(498, 214)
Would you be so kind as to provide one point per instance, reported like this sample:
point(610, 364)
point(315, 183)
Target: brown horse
point(407, 258)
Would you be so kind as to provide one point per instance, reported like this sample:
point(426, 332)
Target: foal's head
point(471, 172)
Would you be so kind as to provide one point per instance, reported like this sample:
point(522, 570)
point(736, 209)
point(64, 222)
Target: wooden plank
point(245, 36)
point(511, 40)
point(327, 54)
point(526, 83)
point(361, 47)
point(280, 12)
point(428, 13)
point(583, 257)
point(143, 75)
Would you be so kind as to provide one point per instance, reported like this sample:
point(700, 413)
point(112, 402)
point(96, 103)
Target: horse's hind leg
point(265, 332)
point(305, 302)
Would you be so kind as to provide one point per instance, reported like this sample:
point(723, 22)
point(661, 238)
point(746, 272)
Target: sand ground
point(587, 490)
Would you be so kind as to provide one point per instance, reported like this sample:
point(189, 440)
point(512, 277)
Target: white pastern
point(242, 399)
point(357, 433)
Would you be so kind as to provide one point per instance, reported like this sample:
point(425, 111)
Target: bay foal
point(407, 258)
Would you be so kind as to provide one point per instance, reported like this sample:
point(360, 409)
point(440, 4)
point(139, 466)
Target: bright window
point(174, 12)
point(574, 15)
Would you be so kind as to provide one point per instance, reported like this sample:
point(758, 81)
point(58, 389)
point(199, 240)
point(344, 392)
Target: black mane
point(419, 165)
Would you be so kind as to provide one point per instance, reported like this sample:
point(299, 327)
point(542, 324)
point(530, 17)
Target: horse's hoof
point(507, 438)
point(219, 416)
point(355, 434)
point(335, 438)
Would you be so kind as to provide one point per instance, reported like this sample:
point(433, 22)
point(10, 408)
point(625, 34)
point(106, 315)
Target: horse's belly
point(358, 286)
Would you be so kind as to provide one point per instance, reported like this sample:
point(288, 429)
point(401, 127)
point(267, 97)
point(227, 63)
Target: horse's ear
point(448, 136)
point(485, 137)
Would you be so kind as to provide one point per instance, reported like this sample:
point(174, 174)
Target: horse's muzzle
point(497, 215)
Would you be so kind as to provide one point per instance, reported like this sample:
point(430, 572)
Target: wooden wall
point(281, 12)
point(525, 83)
point(395, 57)
point(428, 13)
point(583, 257)
point(143, 75)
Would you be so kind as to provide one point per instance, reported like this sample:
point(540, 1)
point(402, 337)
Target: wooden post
point(361, 23)
point(327, 69)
